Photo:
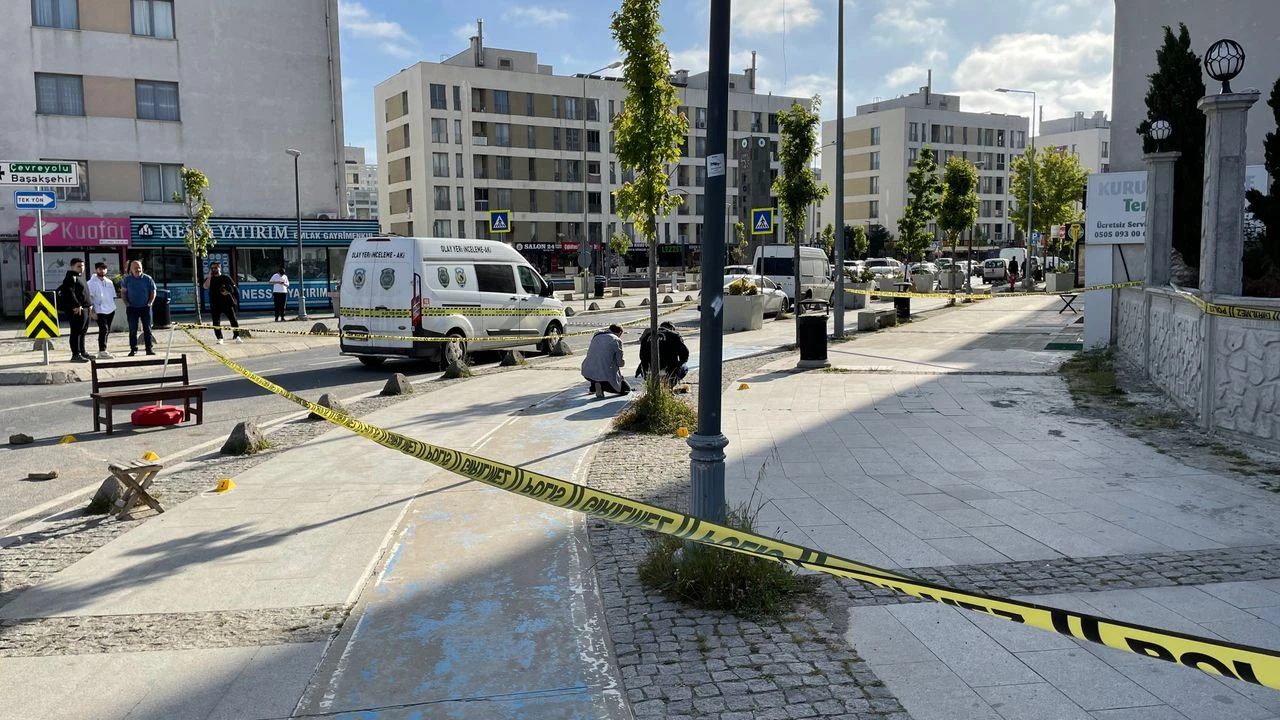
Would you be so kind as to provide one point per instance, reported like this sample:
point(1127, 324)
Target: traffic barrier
point(1255, 665)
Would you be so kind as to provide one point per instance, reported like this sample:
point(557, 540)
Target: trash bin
point(160, 317)
point(903, 304)
point(811, 324)
point(599, 286)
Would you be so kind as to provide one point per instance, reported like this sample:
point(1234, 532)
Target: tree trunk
point(651, 380)
point(195, 283)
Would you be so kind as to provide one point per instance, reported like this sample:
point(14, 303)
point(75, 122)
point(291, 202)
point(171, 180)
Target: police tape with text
point(1251, 664)
point(984, 296)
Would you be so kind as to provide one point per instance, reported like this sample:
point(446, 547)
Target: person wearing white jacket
point(102, 294)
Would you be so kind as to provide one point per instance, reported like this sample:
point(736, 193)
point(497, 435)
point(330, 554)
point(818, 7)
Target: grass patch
point(657, 412)
point(1091, 376)
point(837, 370)
point(712, 578)
point(1158, 421)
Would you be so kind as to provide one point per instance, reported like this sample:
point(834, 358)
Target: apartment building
point(495, 129)
point(1139, 32)
point(133, 90)
point(1088, 138)
point(883, 141)
point(362, 184)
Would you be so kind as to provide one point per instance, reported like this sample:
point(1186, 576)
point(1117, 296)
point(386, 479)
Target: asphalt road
point(50, 412)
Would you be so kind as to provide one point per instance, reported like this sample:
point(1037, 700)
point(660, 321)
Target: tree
point(648, 134)
point(620, 245)
point(878, 241)
point(796, 186)
point(959, 208)
point(199, 237)
point(1059, 187)
point(855, 241)
point(738, 250)
point(1262, 253)
point(829, 239)
point(1174, 91)
point(925, 189)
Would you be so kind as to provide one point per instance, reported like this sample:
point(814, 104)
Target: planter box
point(743, 312)
point(856, 301)
point(951, 280)
point(922, 282)
point(1059, 282)
point(888, 284)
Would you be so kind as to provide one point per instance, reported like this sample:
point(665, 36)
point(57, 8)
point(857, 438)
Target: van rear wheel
point(551, 338)
point(369, 361)
point(455, 350)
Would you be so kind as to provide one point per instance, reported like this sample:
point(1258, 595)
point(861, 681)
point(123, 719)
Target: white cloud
point(357, 20)
point(766, 17)
point(397, 50)
point(464, 32)
point(695, 60)
point(908, 20)
point(536, 15)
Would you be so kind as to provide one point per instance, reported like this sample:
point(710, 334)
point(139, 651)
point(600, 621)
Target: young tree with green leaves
point(648, 134)
point(738, 249)
point(1059, 187)
point(856, 241)
point(925, 190)
point(829, 239)
point(1262, 253)
point(959, 208)
point(199, 237)
point(879, 240)
point(1173, 94)
point(796, 186)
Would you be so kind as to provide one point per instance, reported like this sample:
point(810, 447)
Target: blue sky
point(1060, 48)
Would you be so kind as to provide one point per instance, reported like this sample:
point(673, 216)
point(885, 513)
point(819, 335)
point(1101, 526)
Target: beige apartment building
point(884, 139)
point(495, 129)
point(362, 184)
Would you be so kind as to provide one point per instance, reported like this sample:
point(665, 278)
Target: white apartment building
point(495, 129)
point(362, 184)
point(132, 91)
point(884, 139)
point(1088, 138)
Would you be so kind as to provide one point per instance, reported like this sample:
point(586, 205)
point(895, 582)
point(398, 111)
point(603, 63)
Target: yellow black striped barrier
point(1239, 312)
point(1255, 665)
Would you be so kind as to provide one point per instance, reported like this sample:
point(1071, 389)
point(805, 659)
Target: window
point(555, 137)
point(153, 18)
point(999, 186)
point(502, 134)
point(593, 141)
point(457, 132)
point(593, 202)
point(559, 196)
point(612, 110)
point(438, 101)
point(528, 104)
point(935, 133)
point(999, 208)
point(462, 228)
point(988, 137)
point(533, 168)
point(1106, 149)
point(457, 164)
point(593, 110)
point(701, 122)
point(949, 134)
point(160, 182)
point(457, 98)
point(573, 139)
point(873, 209)
point(611, 141)
point(875, 160)
point(481, 196)
point(479, 167)
point(531, 139)
point(1022, 139)
point(63, 14)
point(533, 202)
point(700, 176)
point(462, 198)
point(557, 173)
point(913, 132)
point(502, 102)
point(502, 198)
point(912, 156)
point(495, 278)
point(773, 123)
point(80, 193)
point(502, 167)
point(573, 169)
point(613, 173)
point(477, 100)
point(873, 185)
point(440, 228)
point(156, 100)
point(699, 147)
point(555, 106)
point(440, 164)
point(875, 136)
point(999, 138)
point(985, 210)
point(756, 123)
point(59, 94)
point(985, 184)
point(440, 130)
point(528, 280)
point(573, 201)
point(999, 161)
point(572, 108)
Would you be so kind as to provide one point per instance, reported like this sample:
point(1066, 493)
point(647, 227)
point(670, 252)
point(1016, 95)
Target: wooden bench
point(136, 390)
point(869, 320)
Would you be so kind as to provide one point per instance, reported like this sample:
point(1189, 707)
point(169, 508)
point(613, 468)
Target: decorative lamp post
point(1160, 131)
point(1224, 61)
point(297, 207)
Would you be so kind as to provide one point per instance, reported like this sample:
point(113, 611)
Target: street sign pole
point(44, 346)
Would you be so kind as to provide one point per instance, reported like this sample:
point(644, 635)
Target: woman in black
point(223, 298)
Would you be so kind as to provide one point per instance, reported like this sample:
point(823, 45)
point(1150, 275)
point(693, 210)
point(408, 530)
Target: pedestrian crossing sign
point(499, 221)
point(762, 221)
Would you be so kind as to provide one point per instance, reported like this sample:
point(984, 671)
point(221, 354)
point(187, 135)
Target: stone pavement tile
point(1032, 701)
point(1196, 520)
point(1135, 606)
point(877, 635)
point(1196, 605)
point(967, 551)
point(1197, 695)
point(1156, 529)
point(1118, 539)
point(1244, 594)
point(1154, 712)
point(1038, 502)
point(806, 512)
point(1012, 543)
point(907, 484)
point(1086, 680)
point(1056, 536)
point(920, 522)
point(936, 501)
point(968, 518)
point(905, 549)
point(969, 652)
point(931, 691)
point(1019, 638)
point(846, 542)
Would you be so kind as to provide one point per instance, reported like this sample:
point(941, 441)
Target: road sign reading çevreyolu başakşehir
point(56, 174)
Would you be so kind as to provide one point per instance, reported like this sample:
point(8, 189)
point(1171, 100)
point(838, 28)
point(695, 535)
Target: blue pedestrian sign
point(499, 221)
point(35, 200)
point(762, 221)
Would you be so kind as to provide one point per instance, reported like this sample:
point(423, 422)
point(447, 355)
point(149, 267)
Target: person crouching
point(603, 365)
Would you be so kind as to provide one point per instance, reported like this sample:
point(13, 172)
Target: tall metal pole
point(1031, 192)
point(44, 346)
point(297, 206)
point(706, 467)
point(838, 332)
point(586, 225)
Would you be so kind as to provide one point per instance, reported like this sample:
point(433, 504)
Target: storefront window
point(258, 264)
point(337, 260)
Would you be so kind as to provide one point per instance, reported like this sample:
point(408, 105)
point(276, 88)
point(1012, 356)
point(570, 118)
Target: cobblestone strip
point(680, 663)
point(169, 631)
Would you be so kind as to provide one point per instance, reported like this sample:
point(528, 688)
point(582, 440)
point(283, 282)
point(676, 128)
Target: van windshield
point(777, 266)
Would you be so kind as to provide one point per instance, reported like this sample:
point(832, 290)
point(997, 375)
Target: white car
point(775, 300)
point(884, 267)
point(737, 270)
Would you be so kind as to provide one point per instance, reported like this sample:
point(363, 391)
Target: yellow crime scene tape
point(1255, 665)
point(411, 338)
point(987, 296)
point(1240, 312)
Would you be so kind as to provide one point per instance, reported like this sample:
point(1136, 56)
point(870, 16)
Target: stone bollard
point(397, 384)
point(568, 311)
point(593, 306)
point(561, 349)
point(319, 328)
point(245, 333)
point(245, 439)
point(644, 302)
point(331, 401)
point(21, 439)
point(456, 370)
point(511, 358)
point(666, 300)
point(619, 304)
point(106, 497)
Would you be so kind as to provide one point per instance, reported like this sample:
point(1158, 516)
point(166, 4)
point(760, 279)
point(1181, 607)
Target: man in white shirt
point(279, 292)
point(102, 293)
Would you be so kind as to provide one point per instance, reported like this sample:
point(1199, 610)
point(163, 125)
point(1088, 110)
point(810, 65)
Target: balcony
point(479, 140)
point(593, 178)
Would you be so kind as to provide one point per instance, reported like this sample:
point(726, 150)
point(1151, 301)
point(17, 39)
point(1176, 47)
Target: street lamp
point(1031, 175)
point(585, 177)
point(1223, 61)
point(297, 206)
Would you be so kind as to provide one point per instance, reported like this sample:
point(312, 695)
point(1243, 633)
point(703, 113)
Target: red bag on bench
point(153, 415)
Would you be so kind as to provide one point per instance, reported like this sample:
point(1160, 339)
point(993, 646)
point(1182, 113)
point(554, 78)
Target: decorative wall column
point(1159, 248)
point(1222, 226)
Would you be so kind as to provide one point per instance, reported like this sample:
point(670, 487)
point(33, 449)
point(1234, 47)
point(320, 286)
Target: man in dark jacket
point(73, 300)
point(223, 298)
point(672, 353)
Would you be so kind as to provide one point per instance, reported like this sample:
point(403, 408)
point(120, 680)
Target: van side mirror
point(547, 290)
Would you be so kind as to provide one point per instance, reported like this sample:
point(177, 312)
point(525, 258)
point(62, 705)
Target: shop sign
point(74, 231)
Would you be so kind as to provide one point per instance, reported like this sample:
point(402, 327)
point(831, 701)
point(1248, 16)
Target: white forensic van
point(777, 262)
point(462, 289)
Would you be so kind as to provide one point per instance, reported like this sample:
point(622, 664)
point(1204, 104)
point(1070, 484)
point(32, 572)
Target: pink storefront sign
point(75, 231)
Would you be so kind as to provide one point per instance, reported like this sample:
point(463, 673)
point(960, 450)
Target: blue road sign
point(499, 221)
point(34, 200)
point(1035, 236)
point(762, 221)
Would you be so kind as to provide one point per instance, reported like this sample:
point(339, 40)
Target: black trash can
point(903, 304)
point(599, 286)
point(811, 323)
point(160, 316)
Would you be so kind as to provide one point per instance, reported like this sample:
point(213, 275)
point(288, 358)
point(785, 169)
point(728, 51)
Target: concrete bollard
point(619, 304)
point(397, 384)
point(331, 401)
point(245, 439)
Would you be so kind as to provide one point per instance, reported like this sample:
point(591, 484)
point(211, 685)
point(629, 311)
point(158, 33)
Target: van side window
point(495, 279)
point(528, 280)
point(811, 268)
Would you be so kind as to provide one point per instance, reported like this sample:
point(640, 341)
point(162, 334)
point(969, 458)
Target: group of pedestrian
point(84, 301)
point(602, 368)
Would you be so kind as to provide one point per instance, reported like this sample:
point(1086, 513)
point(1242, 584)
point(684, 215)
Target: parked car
point(995, 270)
point(775, 300)
point(737, 270)
point(922, 267)
point(853, 269)
point(884, 266)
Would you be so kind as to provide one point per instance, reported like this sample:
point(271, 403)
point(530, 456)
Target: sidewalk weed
point(1091, 377)
point(657, 412)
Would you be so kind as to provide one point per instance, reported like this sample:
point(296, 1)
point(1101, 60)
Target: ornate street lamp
point(1224, 61)
point(1160, 131)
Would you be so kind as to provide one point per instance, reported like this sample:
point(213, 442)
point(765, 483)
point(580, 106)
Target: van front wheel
point(551, 338)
